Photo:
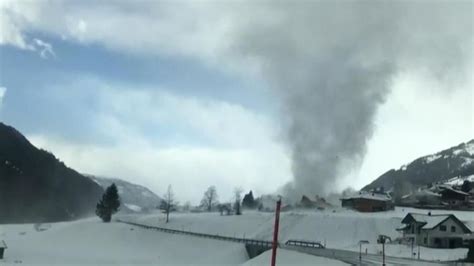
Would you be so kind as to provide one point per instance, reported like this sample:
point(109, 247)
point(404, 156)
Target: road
point(352, 257)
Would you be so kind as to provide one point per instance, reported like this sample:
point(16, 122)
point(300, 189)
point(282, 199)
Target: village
point(442, 230)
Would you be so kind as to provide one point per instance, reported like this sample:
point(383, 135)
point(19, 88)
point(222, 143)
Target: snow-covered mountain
point(459, 180)
point(450, 164)
point(134, 197)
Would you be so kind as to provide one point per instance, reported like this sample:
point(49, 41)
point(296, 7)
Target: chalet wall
point(438, 238)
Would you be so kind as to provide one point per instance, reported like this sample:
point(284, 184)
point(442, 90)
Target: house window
point(425, 240)
point(453, 229)
point(442, 228)
point(412, 228)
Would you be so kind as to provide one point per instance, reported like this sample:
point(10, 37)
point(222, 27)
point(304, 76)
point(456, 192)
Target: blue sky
point(38, 104)
point(71, 102)
point(188, 94)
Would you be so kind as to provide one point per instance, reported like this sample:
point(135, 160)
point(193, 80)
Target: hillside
point(454, 162)
point(36, 187)
point(133, 197)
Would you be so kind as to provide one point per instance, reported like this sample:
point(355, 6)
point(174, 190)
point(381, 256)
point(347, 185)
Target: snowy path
point(367, 259)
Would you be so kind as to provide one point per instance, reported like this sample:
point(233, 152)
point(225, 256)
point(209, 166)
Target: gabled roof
point(470, 225)
point(431, 221)
point(449, 188)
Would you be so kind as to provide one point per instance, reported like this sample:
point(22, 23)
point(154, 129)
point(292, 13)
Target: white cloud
point(197, 29)
point(45, 49)
point(3, 91)
point(244, 150)
point(17, 17)
point(12, 28)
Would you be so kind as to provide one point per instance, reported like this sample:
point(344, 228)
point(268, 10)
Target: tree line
point(109, 204)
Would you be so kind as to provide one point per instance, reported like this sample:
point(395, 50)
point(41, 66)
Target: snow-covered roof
point(407, 196)
point(426, 192)
point(430, 221)
point(133, 207)
point(447, 187)
point(470, 225)
point(459, 180)
point(370, 195)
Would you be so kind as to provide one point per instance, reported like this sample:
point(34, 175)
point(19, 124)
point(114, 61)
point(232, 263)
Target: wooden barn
point(453, 197)
point(368, 202)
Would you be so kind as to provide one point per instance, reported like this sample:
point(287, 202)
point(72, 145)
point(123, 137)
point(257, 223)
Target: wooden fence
point(217, 237)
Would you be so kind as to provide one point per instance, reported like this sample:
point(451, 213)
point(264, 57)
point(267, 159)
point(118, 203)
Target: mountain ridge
point(35, 186)
point(134, 197)
point(456, 161)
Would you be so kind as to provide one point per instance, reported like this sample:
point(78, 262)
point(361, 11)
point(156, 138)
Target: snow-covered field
point(338, 229)
point(91, 242)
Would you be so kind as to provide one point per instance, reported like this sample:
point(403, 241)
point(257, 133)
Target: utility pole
point(383, 253)
point(275, 231)
point(382, 239)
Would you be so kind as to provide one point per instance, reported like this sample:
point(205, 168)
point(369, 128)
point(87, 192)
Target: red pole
point(275, 232)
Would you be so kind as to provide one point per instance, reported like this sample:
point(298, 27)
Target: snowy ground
point(91, 242)
point(288, 257)
point(338, 229)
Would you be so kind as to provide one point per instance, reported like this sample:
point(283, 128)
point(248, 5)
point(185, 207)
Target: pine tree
point(249, 201)
point(109, 204)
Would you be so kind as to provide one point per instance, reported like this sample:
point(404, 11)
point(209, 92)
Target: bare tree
point(210, 198)
point(168, 203)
